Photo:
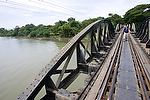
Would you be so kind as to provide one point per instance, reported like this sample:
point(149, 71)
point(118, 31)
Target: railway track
point(115, 68)
point(141, 73)
point(108, 90)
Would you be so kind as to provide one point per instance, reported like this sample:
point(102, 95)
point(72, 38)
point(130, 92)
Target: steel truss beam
point(99, 34)
point(143, 32)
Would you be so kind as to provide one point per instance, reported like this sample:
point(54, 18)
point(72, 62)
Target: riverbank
point(51, 38)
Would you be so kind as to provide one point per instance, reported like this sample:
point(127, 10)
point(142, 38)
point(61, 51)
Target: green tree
point(33, 34)
point(110, 14)
point(89, 21)
point(57, 25)
point(46, 34)
point(75, 24)
point(71, 19)
point(65, 30)
point(16, 30)
point(137, 14)
point(2, 30)
point(115, 19)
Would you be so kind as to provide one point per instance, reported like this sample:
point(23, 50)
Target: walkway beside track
point(127, 88)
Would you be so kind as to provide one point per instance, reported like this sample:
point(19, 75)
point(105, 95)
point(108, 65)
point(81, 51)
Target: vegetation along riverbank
point(71, 27)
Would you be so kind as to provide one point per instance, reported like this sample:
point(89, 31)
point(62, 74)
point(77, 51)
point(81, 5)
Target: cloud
point(27, 15)
point(23, 12)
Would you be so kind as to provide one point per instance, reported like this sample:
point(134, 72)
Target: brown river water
point(21, 59)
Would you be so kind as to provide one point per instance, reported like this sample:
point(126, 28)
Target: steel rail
point(143, 66)
point(109, 71)
point(115, 73)
point(142, 84)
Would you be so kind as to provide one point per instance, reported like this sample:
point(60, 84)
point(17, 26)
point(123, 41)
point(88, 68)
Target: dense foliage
point(115, 19)
point(71, 27)
point(137, 14)
point(61, 28)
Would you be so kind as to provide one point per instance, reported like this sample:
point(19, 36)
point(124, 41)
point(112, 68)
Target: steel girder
point(99, 34)
point(143, 32)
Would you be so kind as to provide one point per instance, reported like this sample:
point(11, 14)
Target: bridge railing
point(143, 32)
point(99, 36)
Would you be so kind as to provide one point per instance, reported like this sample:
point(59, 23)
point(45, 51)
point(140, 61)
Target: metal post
point(87, 44)
point(64, 68)
point(104, 34)
point(100, 42)
point(148, 42)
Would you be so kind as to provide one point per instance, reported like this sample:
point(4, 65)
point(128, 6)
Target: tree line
point(71, 27)
point(61, 28)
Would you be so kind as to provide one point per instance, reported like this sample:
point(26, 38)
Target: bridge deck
point(127, 84)
point(126, 81)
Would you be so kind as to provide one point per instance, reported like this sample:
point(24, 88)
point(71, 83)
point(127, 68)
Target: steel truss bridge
point(100, 56)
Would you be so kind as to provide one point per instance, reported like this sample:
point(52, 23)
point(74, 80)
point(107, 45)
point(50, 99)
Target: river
point(20, 61)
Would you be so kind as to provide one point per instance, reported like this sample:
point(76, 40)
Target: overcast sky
point(47, 12)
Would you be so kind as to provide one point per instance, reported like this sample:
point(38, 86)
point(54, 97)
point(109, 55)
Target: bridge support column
point(81, 61)
point(143, 31)
point(148, 42)
point(105, 41)
point(94, 50)
point(99, 34)
point(50, 87)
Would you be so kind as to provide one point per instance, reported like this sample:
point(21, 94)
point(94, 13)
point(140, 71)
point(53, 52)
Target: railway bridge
point(115, 70)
